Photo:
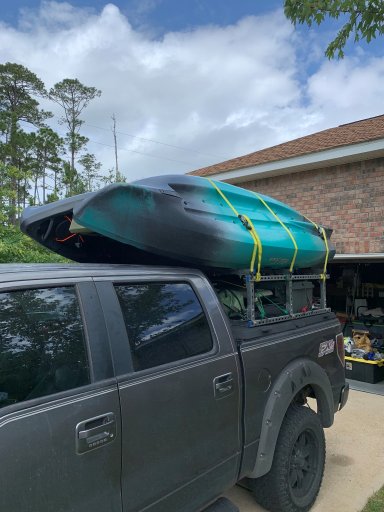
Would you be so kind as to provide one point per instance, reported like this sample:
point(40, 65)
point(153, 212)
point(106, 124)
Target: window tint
point(165, 323)
point(42, 346)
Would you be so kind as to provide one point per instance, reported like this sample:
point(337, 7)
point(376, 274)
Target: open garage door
point(355, 292)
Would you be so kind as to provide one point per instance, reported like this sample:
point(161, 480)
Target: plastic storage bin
point(365, 371)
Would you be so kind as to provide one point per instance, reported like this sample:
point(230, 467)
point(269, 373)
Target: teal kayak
point(185, 220)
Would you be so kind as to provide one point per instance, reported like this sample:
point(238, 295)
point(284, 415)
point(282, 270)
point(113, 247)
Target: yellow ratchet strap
point(286, 229)
point(324, 275)
point(322, 231)
point(311, 221)
point(257, 246)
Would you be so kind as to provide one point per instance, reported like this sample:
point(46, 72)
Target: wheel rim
point(304, 464)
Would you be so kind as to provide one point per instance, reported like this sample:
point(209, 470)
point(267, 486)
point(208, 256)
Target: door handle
point(95, 432)
point(105, 427)
point(222, 389)
point(223, 385)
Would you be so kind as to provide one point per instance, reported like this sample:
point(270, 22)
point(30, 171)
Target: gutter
point(364, 256)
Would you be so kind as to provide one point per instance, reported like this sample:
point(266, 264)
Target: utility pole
point(115, 142)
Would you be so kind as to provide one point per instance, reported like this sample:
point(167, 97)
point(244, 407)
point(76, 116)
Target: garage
point(355, 292)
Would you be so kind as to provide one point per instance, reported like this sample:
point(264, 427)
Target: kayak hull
point(184, 220)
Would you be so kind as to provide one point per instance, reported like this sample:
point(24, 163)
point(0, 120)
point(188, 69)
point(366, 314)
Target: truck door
point(59, 406)
point(179, 391)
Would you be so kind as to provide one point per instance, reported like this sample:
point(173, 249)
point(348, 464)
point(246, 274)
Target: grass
point(375, 502)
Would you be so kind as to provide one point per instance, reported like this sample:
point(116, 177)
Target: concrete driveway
point(355, 458)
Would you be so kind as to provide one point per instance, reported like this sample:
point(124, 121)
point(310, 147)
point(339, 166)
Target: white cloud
point(222, 91)
point(350, 89)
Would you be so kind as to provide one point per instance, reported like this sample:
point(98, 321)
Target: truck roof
point(19, 271)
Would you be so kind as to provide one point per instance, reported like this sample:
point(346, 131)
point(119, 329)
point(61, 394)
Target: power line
point(133, 150)
point(157, 142)
point(140, 153)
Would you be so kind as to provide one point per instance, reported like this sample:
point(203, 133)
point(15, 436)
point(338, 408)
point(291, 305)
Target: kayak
point(180, 220)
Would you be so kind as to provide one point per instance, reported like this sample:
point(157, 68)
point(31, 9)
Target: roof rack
point(253, 300)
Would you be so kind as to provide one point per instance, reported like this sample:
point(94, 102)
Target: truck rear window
point(165, 323)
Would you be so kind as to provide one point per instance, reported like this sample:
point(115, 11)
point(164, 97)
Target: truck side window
point(165, 322)
point(42, 344)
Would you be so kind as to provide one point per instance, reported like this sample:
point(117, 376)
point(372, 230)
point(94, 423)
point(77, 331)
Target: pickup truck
point(127, 388)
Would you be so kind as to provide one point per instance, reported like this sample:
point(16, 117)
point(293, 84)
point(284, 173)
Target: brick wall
point(348, 198)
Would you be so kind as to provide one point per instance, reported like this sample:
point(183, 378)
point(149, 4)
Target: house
point(336, 178)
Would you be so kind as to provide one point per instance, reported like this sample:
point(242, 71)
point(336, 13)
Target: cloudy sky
point(192, 82)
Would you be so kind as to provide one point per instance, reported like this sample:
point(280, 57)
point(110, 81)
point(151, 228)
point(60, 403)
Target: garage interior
point(355, 292)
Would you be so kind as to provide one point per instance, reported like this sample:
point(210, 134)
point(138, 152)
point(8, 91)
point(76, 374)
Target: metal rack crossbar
point(253, 298)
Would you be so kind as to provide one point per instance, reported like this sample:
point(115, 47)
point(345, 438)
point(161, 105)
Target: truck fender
point(296, 375)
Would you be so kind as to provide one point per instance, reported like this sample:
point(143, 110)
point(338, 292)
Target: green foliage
point(18, 88)
point(73, 97)
point(113, 177)
point(33, 168)
point(8, 207)
point(37, 166)
point(72, 180)
point(91, 171)
point(15, 247)
point(376, 502)
point(47, 148)
point(364, 19)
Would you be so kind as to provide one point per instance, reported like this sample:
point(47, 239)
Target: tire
point(294, 480)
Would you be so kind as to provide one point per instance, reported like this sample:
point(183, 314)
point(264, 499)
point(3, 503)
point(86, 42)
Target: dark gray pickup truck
point(126, 388)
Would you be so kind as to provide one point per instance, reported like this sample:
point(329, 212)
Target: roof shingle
point(346, 134)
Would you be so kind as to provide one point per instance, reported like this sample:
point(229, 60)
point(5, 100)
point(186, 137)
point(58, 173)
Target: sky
point(191, 82)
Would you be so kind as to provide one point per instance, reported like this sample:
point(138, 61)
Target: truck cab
point(127, 388)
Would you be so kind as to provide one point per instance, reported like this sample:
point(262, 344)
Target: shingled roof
point(349, 134)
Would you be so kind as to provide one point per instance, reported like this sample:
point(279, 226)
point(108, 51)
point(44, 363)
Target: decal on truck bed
point(326, 347)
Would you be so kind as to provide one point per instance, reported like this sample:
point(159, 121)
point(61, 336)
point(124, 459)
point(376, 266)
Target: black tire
point(294, 480)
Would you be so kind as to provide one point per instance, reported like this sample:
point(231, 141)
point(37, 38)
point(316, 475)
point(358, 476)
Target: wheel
point(294, 480)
